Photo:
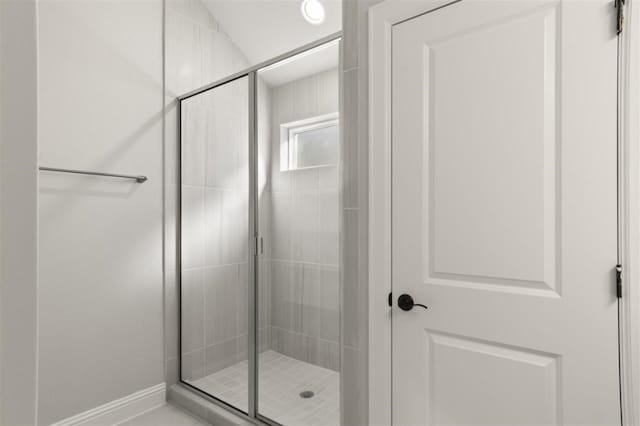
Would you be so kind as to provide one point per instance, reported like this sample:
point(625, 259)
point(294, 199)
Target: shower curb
point(179, 395)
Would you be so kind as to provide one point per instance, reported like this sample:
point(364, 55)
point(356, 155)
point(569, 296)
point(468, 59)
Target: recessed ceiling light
point(313, 11)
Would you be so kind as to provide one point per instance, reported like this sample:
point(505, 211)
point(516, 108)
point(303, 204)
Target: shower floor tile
point(281, 380)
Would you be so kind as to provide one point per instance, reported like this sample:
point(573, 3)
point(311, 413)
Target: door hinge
point(619, 5)
point(619, 281)
point(390, 299)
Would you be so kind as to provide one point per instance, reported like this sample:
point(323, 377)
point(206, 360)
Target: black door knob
point(406, 303)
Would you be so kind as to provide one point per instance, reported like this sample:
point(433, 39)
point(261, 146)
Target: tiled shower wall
point(355, 155)
point(215, 208)
point(305, 231)
point(300, 315)
point(215, 205)
point(192, 36)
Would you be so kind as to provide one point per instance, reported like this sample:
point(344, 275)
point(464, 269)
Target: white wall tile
point(192, 310)
point(224, 141)
point(213, 220)
point(350, 29)
point(221, 294)
point(264, 294)
point(354, 399)
point(242, 298)
point(351, 302)
point(215, 215)
point(328, 227)
point(242, 343)
point(305, 230)
point(171, 371)
point(221, 355)
point(305, 98)
point(304, 227)
point(183, 55)
point(311, 300)
point(171, 320)
point(296, 272)
point(350, 140)
point(328, 92)
point(194, 127)
point(329, 304)
point(193, 365)
point(281, 293)
point(193, 219)
point(305, 179)
point(170, 224)
point(281, 225)
point(328, 178)
point(265, 339)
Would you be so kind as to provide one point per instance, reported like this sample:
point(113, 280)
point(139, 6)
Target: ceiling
point(264, 29)
point(310, 62)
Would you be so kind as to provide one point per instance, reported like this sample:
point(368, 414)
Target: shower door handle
point(406, 303)
point(259, 245)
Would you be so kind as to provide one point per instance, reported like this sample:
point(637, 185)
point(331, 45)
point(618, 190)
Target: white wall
point(18, 212)
point(101, 290)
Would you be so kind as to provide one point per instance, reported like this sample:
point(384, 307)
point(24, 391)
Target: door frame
point(382, 17)
point(629, 212)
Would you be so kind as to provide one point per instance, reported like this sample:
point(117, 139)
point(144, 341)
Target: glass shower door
point(259, 240)
point(216, 263)
point(298, 197)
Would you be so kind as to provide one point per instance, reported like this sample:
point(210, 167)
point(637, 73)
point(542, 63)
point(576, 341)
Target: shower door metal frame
point(252, 346)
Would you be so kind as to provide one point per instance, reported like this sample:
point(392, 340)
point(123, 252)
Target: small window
point(312, 142)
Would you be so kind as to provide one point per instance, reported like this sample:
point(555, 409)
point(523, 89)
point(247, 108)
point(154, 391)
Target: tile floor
point(281, 380)
point(166, 415)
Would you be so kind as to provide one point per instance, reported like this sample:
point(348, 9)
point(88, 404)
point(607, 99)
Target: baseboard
point(117, 411)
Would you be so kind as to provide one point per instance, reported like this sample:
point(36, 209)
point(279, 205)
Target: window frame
point(288, 139)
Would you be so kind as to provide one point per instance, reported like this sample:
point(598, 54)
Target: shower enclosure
point(258, 235)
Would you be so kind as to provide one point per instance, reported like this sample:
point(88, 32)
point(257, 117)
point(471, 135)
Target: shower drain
point(306, 394)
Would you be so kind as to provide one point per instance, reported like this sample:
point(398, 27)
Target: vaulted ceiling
point(263, 29)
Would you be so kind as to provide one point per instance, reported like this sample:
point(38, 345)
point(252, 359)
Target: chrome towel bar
point(138, 179)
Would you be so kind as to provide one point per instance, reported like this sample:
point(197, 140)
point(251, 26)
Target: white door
point(504, 214)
